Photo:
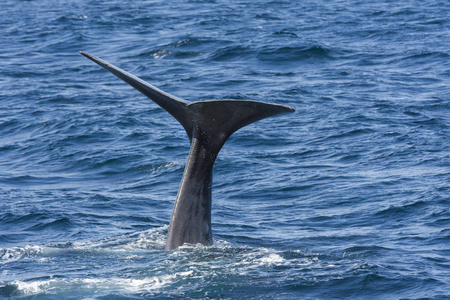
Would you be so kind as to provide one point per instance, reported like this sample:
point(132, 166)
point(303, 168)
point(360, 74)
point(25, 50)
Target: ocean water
point(347, 198)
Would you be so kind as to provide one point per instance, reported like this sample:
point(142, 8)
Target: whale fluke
point(208, 125)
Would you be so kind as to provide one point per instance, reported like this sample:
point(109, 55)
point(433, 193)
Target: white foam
point(272, 258)
point(154, 238)
point(131, 285)
point(14, 254)
point(34, 287)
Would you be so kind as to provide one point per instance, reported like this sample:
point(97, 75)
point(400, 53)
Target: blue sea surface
point(347, 198)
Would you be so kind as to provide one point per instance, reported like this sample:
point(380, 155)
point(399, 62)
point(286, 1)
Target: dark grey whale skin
point(208, 125)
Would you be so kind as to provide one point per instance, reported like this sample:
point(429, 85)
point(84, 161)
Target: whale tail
point(208, 125)
point(223, 117)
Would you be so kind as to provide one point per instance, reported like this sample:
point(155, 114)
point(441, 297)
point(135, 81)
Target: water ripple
point(345, 198)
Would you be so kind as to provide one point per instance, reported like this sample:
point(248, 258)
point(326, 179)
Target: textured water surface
point(346, 198)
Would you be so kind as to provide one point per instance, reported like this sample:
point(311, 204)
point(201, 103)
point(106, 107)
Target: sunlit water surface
point(346, 198)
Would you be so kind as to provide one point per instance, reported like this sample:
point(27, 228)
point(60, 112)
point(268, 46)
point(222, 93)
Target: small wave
point(404, 209)
point(420, 58)
point(157, 168)
point(365, 251)
point(158, 54)
point(187, 48)
point(27, 181)
point(231, 53)
point(293, 54)
point(352, 133)
point(58, 224)
point(286, 32)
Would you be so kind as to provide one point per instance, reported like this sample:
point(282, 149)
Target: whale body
point(208, 125)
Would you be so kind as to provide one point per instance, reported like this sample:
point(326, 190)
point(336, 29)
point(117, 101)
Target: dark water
point(346, 198)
